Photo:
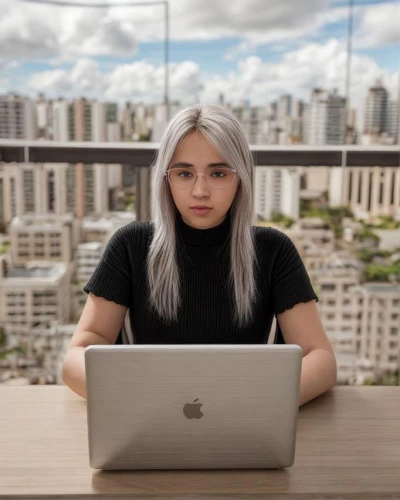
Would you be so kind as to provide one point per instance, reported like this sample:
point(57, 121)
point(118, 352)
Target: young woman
point(201, 273)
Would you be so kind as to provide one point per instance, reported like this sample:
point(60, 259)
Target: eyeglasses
point(183, 178)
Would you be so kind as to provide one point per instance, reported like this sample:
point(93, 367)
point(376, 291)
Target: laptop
point(192, 406)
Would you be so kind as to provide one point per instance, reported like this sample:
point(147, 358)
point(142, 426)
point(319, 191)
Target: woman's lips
point(201, 211)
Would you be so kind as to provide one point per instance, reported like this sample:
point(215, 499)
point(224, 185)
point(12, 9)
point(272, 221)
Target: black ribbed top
point(203, 237)
point(206, 314)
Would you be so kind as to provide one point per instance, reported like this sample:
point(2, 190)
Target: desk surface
point(348, 446)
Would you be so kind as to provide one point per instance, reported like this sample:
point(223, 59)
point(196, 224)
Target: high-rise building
point(368, 191)
point(37, 188)
point(392, 120)
point(252, 119)
point(375, 121)
point(8, 192)
point(127, 122)
point(50, 188)
point(99, 132)
point(284, 109)
point(159, 123)
point(297, 108)
point(102, 183)
point(325, 119)
point(83, 119)
point(113, 127)
point(290, 195)
point(44, 117)
point(277, 189)
point(17, 117)
point(62, 121)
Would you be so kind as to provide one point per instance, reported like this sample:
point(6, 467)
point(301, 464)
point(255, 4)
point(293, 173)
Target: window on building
point(327, 287)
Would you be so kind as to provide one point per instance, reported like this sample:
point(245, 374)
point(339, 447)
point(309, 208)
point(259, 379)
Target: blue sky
point(251, 49)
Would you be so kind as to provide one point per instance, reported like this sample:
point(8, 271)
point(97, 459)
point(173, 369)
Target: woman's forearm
point(73, 370)
point(318, 374)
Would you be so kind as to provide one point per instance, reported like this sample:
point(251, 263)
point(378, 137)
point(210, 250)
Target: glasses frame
point(166, 174)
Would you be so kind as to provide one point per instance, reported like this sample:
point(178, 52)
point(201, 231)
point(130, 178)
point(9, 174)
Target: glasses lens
point(215, 177)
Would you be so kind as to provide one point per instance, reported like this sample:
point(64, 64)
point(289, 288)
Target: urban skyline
point(323, 119)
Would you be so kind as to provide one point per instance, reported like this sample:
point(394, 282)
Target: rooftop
point(34, 272)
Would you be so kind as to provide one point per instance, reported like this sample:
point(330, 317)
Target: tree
point(279, 217)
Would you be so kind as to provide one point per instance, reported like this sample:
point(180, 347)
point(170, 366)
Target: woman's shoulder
point(134, 233)
point(266, 236)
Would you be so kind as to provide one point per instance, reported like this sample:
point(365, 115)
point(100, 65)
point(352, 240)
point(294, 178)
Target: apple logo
point(192, 410)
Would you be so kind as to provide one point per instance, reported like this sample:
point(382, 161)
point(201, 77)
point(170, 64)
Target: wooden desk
point(348, 446)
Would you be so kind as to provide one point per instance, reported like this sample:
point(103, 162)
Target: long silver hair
point(225, 133)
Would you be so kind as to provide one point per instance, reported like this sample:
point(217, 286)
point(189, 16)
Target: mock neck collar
point(203, 237)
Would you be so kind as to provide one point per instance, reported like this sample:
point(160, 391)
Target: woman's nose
point(200, 183)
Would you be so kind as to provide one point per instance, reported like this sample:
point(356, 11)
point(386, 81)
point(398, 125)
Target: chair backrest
point(278, 334)
point(126, 334)
point(126, 330)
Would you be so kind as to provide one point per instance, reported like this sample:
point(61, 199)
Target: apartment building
point(101, 228)
point(43, 238)
point(375, 119)
point(277, 189)
point(87, 257)
point(43, 188)
point(368, 191)
point(317, 178)
point(34, 295)
point(314, 230)
point(17, 117)
point(376, 332)
point(324, 118)
point(338, 314)
point(313, 256)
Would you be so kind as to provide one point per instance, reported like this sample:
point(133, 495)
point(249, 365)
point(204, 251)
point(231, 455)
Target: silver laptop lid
point(192, 406)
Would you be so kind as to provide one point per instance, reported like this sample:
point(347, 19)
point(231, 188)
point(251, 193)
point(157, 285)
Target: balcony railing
point(142, 155)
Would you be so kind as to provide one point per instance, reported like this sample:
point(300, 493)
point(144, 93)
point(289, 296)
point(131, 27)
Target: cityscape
point(56, 217)
point(325, 119)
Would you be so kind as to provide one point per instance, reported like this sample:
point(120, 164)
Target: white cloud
point(30, 30)
point(84, 79)
point(299, 71)
point(93, 32)
point(378, 26)
point(23, 36)
point(34, 31)
point(138, 81)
